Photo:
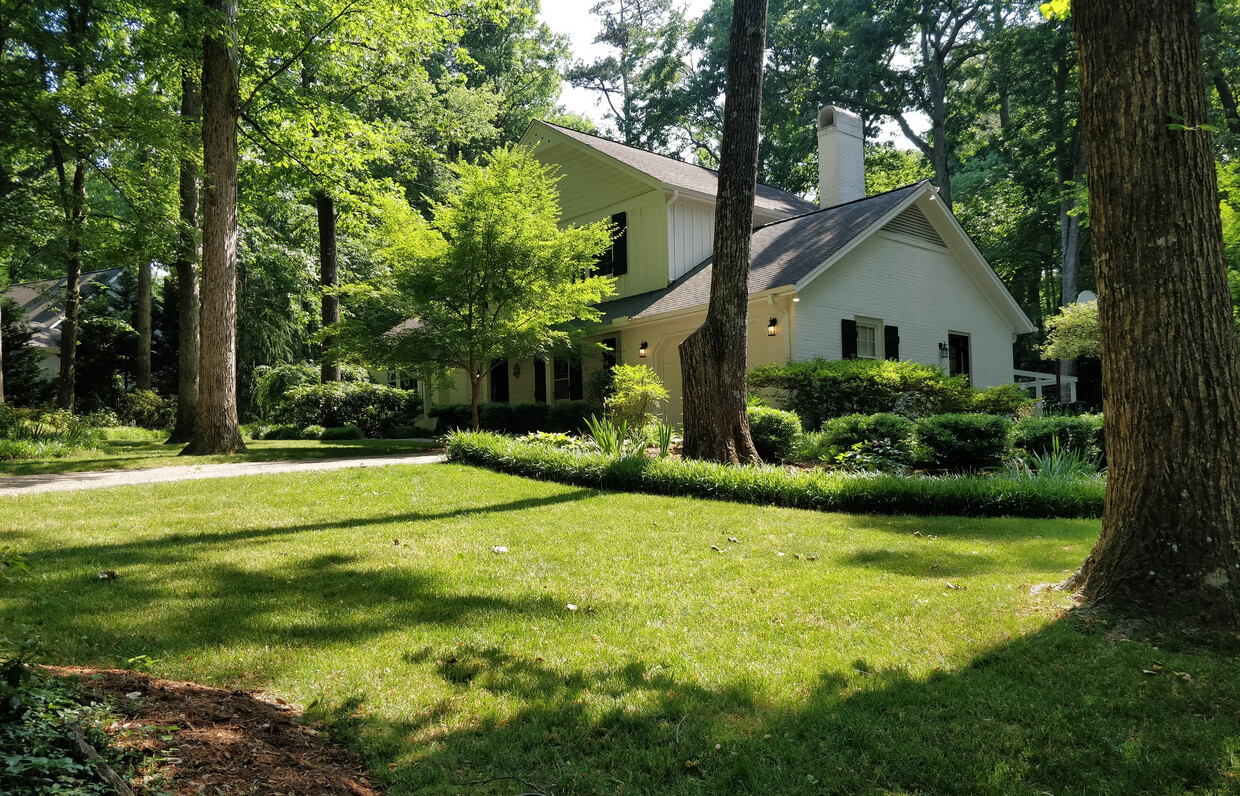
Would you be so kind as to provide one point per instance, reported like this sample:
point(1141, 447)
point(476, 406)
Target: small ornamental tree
point(490, 276)
point(1073, 333)
point(636, 396)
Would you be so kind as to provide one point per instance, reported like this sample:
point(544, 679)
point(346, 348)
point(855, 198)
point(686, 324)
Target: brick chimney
point(841, 157)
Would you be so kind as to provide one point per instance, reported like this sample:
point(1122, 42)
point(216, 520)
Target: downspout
point(671, 237)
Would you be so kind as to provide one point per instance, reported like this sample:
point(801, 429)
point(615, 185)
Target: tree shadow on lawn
point(1063, 710)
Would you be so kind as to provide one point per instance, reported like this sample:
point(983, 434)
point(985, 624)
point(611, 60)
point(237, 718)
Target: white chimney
point(841, 157)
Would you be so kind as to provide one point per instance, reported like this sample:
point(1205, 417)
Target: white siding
point(918, 288)
point(690, 233)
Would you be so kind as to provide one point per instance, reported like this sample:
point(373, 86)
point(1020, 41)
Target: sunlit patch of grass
point(817, 653)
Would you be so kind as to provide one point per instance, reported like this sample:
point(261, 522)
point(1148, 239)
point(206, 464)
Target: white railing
point(1036, 382)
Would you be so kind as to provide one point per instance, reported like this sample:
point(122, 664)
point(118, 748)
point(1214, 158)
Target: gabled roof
point(42, 302)
point(792, 252)
point(673, 174)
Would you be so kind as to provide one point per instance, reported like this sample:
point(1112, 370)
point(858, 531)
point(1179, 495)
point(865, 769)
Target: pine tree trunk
point(1170, 546)
point(329, 276)
point(216, 427)
point(186, 267)
point(712, 358)
point(73, 288)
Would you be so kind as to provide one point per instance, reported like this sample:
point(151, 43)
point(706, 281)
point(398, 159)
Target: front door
point(958, 356)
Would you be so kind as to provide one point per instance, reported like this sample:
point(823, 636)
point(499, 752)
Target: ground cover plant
point(135, 449)
point(630, 643)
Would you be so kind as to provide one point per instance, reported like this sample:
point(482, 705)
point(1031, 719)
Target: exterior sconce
point(944, 351)
point(771, 327)
point(795, 299)
point(643, 350)
point(516, 370)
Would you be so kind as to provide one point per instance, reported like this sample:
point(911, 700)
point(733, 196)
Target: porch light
point(944, 351)
point(643, 349)
point(771, 327)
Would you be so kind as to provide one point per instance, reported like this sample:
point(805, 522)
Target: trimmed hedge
point(373, 408)
point(815, 489)
point(1082, 434)
point(774, 432)
point(341, 433)
point(963, 441)
point(147, 409)
point(567, 416)
point(841, 433)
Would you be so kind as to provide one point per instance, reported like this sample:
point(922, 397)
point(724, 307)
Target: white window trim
point(876, 324)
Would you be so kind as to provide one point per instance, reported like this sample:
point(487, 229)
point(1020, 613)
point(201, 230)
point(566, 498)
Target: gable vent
point(913, 222)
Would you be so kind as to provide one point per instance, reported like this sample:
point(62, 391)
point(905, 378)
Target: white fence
point(1037, 383)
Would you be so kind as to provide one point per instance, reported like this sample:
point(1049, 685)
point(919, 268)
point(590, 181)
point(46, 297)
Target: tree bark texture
point(142, 376)
point(187, 252)
point(712, 358)
point(1, 354)
point(329, 277)
point(1170, 548)
point(75, 218)
point(216, 427)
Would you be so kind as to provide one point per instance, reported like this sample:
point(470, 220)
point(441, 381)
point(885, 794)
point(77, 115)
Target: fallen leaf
point(571, 607)
point(499, 548)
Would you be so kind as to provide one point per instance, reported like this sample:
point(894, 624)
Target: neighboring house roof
point(42, 302)
point(793, 252)
point(675, 174)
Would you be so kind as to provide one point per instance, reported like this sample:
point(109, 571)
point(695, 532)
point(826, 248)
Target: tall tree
point(1170, 542)
point(712, 358)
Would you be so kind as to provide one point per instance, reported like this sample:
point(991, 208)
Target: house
point(889, 276)
point(42, 305)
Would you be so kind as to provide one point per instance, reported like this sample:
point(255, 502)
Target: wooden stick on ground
point(105, 771)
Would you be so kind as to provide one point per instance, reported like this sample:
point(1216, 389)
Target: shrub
point(395, 432)
point(341, 433)
point(962, 441)
point(874, 456)
point(270, 386)
point(371, 407)
point(819, 389)
point(147, 409)
point(841, 434)
point(566, 416)
point(1010, 400)
point(312, 432)
point(281, 432)
point(811, 446)
point(452, 416)
point(636, 394)
point(1081, 434)
point(774, 432)
point(966, 496)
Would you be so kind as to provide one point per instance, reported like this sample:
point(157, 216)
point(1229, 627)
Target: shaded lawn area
point(137, 449)
point(374, 598)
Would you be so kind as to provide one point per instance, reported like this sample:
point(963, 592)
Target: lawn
point(135, 449)
point(875, 655)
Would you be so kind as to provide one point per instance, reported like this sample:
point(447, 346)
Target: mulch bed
point(225, 742)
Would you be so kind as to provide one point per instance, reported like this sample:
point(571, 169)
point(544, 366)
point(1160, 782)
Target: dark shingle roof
point(42, 302)
point(781, 253)
point(679, 174)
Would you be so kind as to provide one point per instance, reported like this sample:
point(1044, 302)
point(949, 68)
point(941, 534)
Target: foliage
point(1009, 400)
point(373, 408)
point(819, 389)
point(663, 436)
point(962, 441)
point(607, 436)
point(1058, 462)
point(1082, 434)
point(1073, 333)
point(874, 456)
point(270, 386)
point(55, 434)
point(147, 409)
point(841, 434)
point(766, 484)
point(774, 432)
point(350, 432)
point(24, 382)
point(312, 432)
point(636, 393)
point(562, 416)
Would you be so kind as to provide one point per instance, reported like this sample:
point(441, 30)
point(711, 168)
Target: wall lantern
point(772, 326)
point(944, 351)
point(516, 370)
point(795, 298)
point(643, 350)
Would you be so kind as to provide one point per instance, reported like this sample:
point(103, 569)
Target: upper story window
point(868, 340)
point(614, 261)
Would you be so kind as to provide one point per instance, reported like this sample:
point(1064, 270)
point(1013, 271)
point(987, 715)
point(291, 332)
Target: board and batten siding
point(915, 286)
point(690, 235)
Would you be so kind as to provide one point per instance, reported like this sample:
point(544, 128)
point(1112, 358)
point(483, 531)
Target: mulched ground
point(226, 742)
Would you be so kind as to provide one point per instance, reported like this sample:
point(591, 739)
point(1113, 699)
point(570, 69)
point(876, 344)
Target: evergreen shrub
point(774, 432)
point(842, 433)
point(343, 433)
point(1081, 434)
point(958, 441)
point(373, 408)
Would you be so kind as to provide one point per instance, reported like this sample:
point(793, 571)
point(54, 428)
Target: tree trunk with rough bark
point(186, 266)
point(216, 429)
point(712, 358)
point(142, 376)
point(1170, 546)
point(75, 218)
point(1, 354)
point(329, 277)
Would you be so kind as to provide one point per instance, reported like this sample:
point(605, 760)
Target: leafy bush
point(312, 432)
point(818, 389)
point(566, 416)
point(147, 409)
point(968, 496)
point(636, 394)
point(341, 433)
point(450, 416)
point(874, 456)
point(52, 435)
point(812, 446)
point(962, 441)
point(1010, 400)
point(774, 432)
point(279, 432)
point(270, 386)
point(371, 407)
point(1081, 434)
point(395, 432)
point(841, 434)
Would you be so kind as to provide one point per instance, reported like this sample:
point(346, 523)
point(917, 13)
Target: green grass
point(135, 448)
point(374, 598)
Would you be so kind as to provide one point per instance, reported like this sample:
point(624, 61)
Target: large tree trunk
point(142, 376)
point(1170, 546)
point(329, 276)
point(712, 358)
point(75, 221)
point(186, 266)
point(216, 427)
point(1, 354)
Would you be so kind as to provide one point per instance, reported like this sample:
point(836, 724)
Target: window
point(400, 380)
point(567, 379)
point(867, 338)
point(958, 355)
point(614, 261)
point(609, 353)
point(499, 381)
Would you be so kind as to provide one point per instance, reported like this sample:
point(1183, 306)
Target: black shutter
point(620, 248)
point(575, 386)
point(848, 329)
point(540, 381)
point(891, 342)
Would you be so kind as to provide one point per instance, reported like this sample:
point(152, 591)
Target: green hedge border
point(963, 496)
